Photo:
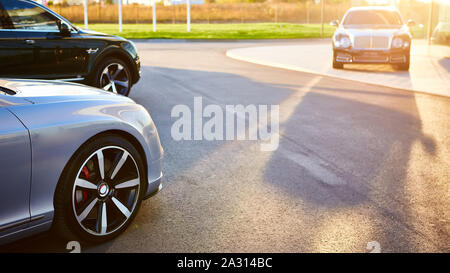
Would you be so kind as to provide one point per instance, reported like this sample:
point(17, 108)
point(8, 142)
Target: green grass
point(223, 31)
point(215, 31)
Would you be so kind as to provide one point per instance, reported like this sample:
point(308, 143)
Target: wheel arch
point(113, 53)
point(136, 144)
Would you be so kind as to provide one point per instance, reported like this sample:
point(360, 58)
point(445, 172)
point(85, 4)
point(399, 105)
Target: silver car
point(372, 35)
point(73, 158)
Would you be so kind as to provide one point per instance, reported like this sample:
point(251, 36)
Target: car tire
point(93, 209)
point(337, 65)
point(113, 75)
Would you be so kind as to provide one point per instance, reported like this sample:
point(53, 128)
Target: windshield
point(373, 17)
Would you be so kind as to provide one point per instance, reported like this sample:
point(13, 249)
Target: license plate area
point(371, 54)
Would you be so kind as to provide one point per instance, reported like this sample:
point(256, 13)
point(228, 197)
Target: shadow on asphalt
point(445, 63)
point(44, 242)
point(376, 69)
point(355, 145)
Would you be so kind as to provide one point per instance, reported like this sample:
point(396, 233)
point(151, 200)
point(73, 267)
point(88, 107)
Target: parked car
point(75, 158)
point(441, 34)
point(37, 43)
point(372, 35)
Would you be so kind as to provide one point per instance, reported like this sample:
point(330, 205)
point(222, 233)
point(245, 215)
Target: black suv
point(37, 43)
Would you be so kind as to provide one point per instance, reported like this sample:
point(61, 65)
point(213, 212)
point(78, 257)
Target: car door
point(40, 48)
point(15, 172)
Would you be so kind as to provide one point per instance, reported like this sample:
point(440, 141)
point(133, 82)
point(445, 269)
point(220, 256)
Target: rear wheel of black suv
point(113, 75)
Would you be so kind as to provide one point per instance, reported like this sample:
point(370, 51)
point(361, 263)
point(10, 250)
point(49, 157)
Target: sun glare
point(445, 2)
point(385, 2)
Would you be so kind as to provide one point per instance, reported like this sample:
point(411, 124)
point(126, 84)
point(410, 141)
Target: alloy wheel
point(115, 78)
point(106, 190)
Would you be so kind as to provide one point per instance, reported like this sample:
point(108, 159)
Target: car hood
point(91, 33)
point(40, 91)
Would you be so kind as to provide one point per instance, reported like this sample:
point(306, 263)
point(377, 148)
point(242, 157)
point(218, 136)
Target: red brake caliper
point(85, 171)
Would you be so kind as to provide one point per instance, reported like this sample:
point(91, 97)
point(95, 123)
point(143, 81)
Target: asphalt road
point(356, 163)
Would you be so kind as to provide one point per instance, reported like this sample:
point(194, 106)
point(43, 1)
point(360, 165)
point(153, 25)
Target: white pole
point(85, 15)
point(430, 22)
point(154, 15)
point(120, 15)
point(322, 11)
point(188, 4)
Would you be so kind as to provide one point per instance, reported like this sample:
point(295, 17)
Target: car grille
point(365, 42)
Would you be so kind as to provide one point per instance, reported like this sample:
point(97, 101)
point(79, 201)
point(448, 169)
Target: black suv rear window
point(18, 14)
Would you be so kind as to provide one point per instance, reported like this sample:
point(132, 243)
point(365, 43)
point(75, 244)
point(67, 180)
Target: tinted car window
point(5, 22)
point(24, 15)
point(373, 17)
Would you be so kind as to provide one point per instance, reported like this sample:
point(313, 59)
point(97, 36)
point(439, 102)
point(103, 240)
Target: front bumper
point(361, 56)
point(155, 177)
point(137, 75)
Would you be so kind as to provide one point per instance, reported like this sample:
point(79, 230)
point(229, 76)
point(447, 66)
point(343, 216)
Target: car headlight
point(343, 42)
point(130, 47)
point(397, 42)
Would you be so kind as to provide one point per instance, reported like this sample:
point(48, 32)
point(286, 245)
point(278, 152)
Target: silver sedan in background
point(372, 35)
point(73, 158)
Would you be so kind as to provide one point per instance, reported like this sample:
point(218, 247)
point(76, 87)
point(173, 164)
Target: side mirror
point(410, 23)
point(64, 29)
point(334, 23)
